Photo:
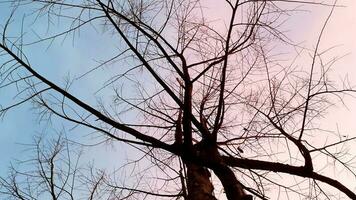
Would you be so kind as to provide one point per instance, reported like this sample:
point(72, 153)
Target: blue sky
point(65, 58)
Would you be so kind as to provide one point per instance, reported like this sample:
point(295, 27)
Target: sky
point(20, 124)
point(304, 28)
point(66, 58)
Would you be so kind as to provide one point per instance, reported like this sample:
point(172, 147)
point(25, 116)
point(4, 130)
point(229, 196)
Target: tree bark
point(198, 183)
point(233, 188)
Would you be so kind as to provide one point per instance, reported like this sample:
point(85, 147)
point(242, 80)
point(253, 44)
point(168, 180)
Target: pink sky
point(305, 27)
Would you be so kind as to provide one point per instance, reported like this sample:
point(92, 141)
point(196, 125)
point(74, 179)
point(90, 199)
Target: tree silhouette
point(209, 103)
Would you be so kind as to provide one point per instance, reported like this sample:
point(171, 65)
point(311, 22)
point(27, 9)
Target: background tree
point(53, 173)
point(208, 103)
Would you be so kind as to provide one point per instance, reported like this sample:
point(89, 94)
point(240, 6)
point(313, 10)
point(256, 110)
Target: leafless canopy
point(201, 88)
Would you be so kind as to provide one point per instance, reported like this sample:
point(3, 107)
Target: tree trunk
point(198, 183)
point(233, 188)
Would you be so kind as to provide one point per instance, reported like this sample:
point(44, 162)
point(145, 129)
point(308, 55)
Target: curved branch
point(288, 169)
point(155, 142)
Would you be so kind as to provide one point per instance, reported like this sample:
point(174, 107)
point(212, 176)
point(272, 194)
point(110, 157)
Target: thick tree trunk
point(233, 188)
point(198, 183)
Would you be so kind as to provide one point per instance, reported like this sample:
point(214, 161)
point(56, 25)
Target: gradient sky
point(20, 124)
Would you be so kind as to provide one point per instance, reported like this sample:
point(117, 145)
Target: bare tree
point(55, 172)
point(45, 177)
point(209, 103)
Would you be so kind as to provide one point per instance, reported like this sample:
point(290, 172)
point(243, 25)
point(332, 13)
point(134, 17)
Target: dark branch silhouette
point(217, 112)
